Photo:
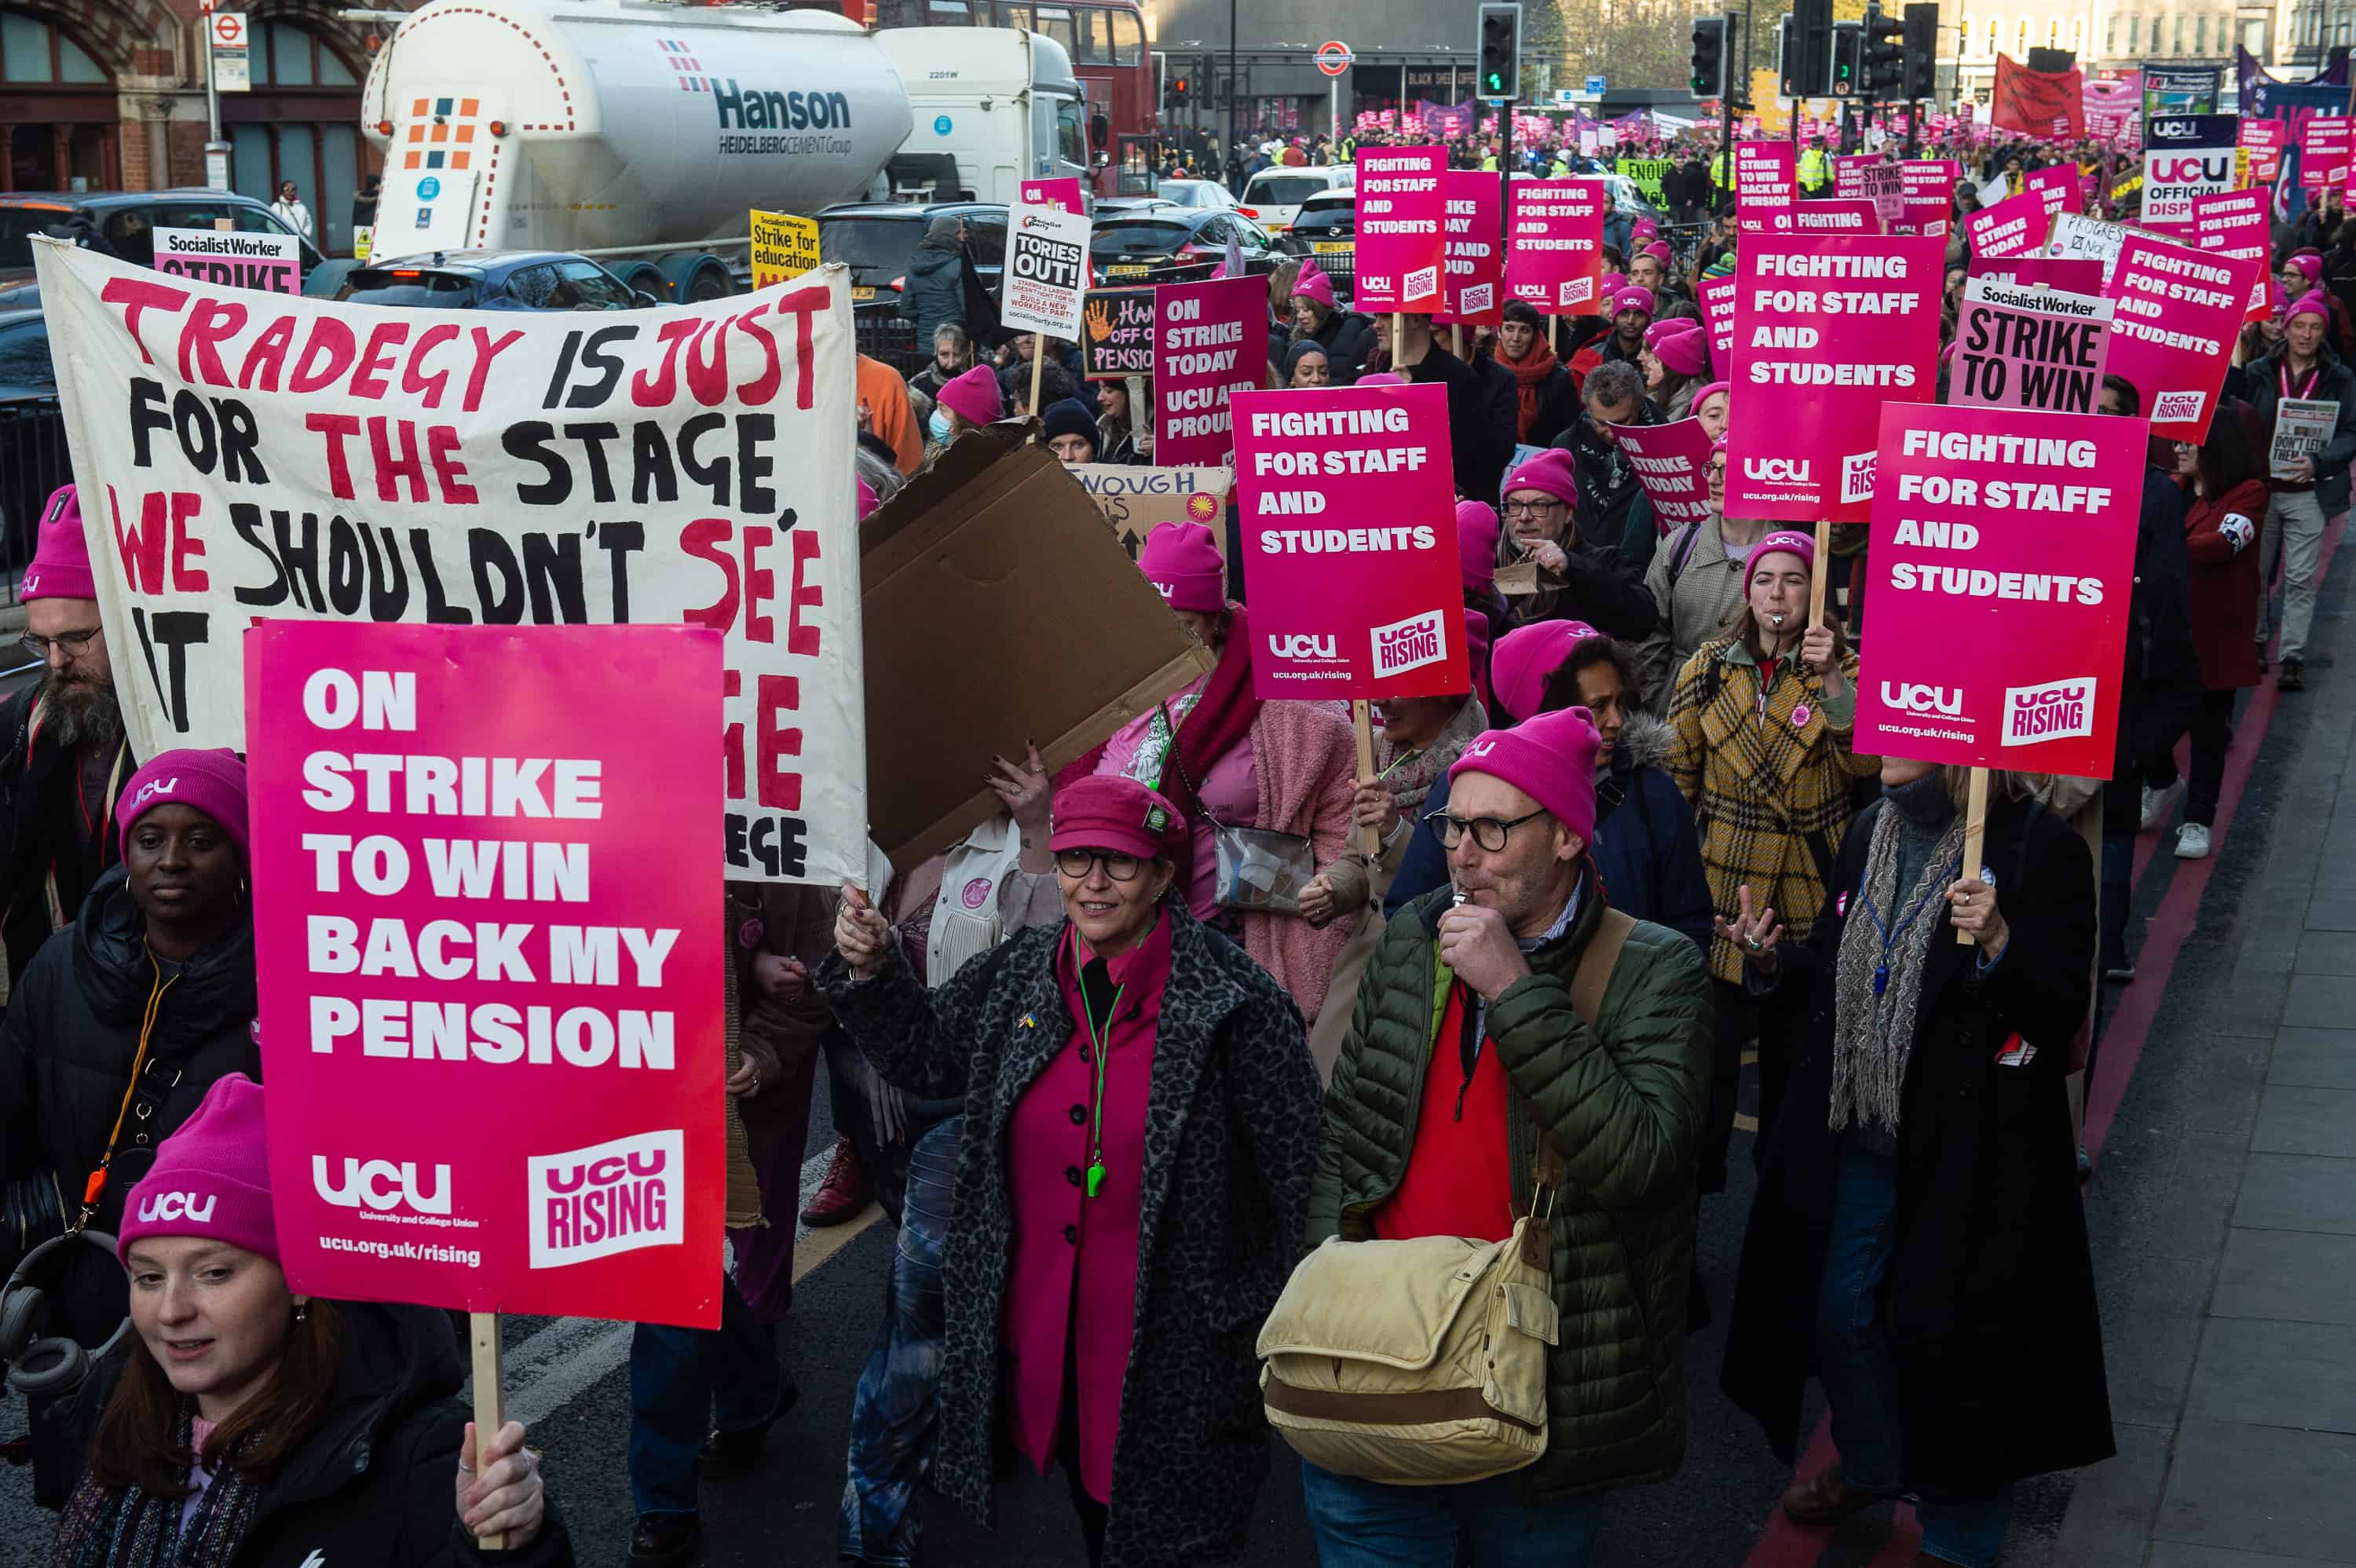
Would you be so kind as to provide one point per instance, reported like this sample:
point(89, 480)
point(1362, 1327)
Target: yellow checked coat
point(1771, 797)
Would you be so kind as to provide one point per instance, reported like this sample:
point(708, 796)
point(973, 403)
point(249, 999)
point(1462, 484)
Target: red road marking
point(1783, 1544)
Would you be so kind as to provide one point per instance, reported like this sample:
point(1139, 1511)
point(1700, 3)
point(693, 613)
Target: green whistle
point(1095, 1177)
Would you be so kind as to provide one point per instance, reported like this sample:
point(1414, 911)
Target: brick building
point(110, 95)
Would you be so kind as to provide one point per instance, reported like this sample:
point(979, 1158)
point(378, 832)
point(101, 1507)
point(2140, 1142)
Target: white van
point(1274, 196)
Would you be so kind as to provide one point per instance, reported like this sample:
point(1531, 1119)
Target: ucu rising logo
point(1301, 645)
point(614, 1196)
point(381, 1185)
point(179, 1206)
point(154, 787)
point(2053, 712)
point(1913, 697)
point(1778, 468)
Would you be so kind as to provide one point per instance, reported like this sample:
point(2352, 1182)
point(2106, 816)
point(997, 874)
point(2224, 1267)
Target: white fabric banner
point(243, 455)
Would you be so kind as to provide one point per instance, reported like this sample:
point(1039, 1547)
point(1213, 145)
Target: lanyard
point(1103, 1044)
point(2314, 373)
point(1890, 938)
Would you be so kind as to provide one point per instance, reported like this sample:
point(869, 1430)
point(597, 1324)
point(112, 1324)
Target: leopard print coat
point(1231, 1145)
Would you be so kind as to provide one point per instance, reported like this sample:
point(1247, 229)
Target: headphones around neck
point(41, 1365)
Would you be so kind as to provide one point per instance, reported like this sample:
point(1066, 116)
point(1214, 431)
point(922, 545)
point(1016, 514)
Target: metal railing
point(34, 461)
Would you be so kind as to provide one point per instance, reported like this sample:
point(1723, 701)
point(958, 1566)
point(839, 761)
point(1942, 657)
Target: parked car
point(1326, 228)
point(876, 240)
point(1628, 196)
point(1174, 244)
point(492, 279)
point(123, 223)
point(34, 459)
point(25, 363)
point(1272, 196)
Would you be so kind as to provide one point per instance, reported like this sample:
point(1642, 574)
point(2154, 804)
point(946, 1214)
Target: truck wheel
point(645, 277)
point(692, 277)
point(708, 283)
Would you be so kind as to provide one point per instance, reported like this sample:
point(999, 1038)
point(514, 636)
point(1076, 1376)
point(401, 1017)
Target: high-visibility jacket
point(1814, 170)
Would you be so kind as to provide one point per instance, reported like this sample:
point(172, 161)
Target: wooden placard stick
point(1550, 321)
point(1975, 830)
point(1456, 339)
point(490, 1405)
point(1038, 365)
point(1816, 578)
point(1362, 719)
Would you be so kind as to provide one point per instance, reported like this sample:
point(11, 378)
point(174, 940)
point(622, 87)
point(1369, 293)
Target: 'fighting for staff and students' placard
point(2177, 312)
point(499, 1032)
point(1554, 254)
point(243, 455)
point(1400, 211)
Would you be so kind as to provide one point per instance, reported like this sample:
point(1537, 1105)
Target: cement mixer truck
point(637, 132)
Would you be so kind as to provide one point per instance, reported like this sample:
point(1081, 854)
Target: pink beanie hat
point(1553, 471)
point(1659, 251)
point(1476, 652)
point(1645, 229)
point(2309, 265)
point(1524, 656)
point(60, 567)
point(2312, 304)
point(1685, 353)
point(1613, 282)
point(1633, 297)
point(1183, 565)
point(1380, 378)
point(1675, 326)
point(1476, 542)
point(1314, 285)
point(1703, 392)
point(1550, 758)
point(211, 780)
point(1787, 541)
point(974, 397)
point(211, 1178)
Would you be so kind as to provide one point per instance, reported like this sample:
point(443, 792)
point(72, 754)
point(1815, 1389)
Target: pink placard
point(495, 1034)
point(2237, 224)
point(1474, 272)
point(2264, 141)
point(1672, 463)
point(1930, 200)
point(1825, 332)
point(2071, 274)
point(1210, 341)
point(1831, 217)
point(1764, 184)
point(1348, 504)
point(2061, 184)
point(1554, 256)
point(2323, 143)
point(2004, 544)
point(1400, 245)
point(1849, 174)
point(2015, 225)
point(1064, 193)
point(2177, 312)
point(1718, 296)
point(2021, 347)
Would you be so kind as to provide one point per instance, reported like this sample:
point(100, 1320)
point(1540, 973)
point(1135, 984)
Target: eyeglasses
point(1076, 864)
point(1532, 508)
point(75, 643)
point(1487, 831)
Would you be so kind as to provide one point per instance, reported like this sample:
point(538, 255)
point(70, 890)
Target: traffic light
point(1919, 78)
point(1709, 57)
point(1847, 59)
point(1175, 96)
point(1804, 49)
point(1501, 50)
point(1884, 71)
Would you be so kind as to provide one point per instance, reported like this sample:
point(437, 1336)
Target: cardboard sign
point(1825, 332)
point(2323, 143)
point(1046, 272)
point(498, 1033)
point(1474, 275)
point(1829, 216)
point(2177, 313)
point(1210, 341)
point(1117, 334)
point(1554, 256)
point(1764, 184)
point(2013, 227)
point(1672, 463)
point(1064, 193)
point(1400, 208)
point(1716, 296)
point(2027, 347)
point(1349, 542)
point(2004, 543)
point(2303, 427)
point(2237, 225)
point(2077, 237)
point(409, 465)
point(1136, 501)
point(232, 260)
point(2185, 155)
point(783, 246)
point(1061, 638)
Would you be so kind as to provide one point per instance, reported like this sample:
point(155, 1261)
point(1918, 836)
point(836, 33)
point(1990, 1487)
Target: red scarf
point(1218, 724)
point(1530, 375)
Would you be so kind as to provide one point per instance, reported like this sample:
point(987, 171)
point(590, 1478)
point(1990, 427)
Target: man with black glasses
point(67, 754)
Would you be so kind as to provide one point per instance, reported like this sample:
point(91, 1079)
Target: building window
point(32, 51)
point(2077, 34)
point(2254, 36)
point(2020, 39)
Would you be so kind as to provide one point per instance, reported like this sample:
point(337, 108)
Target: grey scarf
point(1873, 1028)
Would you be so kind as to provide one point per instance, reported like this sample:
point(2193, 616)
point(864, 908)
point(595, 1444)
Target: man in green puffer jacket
point(1464, 1034)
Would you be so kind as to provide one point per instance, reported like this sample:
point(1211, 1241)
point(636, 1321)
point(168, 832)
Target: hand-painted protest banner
point(235, 260)
point(496, 1083)
point(1117, 334)
point(2178, 313)
point(1554, 255)
point(239, 458)
point(2027, 347)
point(1766, 184)
point(1210, 340)
point(1825, 332)
point(2077, 237)
point(2013, 227)
point(1474, 272)
point(2238, 225)
point(783, 246)
point(1046, 272)
point(1400, 212)
point(1064, 193)
point(2004, 543)
point(1717, 295)
point(1830, 216)
point(2323, 151)
point(2303, 427)
point(2185, 155)
point(1672, 463)
point(1349, 538)
point(1136, 501)
point(1648, 174)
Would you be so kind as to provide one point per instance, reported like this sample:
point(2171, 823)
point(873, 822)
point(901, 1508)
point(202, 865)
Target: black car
point(492, 279)
point(34, 459)
point(123, 224)
point(1326, 228)
point(875, 240)
point(1174, 244)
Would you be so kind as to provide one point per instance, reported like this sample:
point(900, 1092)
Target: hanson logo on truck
point(756, 109)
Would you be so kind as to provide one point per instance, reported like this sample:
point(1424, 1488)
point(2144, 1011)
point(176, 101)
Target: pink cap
point(60, 567)
point(1476, 542)
point(1112, 811)
point(1553, 471)
point(211, 1178)
point(1550, 758)
point(1633, 297)
point(974, 396)
point(211, 780)
point(1182, 563)
point(1524, 656)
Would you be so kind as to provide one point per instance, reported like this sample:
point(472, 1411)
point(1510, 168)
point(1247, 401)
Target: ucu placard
point(614, 1196)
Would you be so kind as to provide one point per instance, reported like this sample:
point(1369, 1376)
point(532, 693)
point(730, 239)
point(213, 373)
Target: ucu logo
point(179, 1206)
point(366, 1181)
point(607, 1172)
point(1481, 747)
point(1913, 697)
point(2168, 171)
point(1301, 645)
point(154, 787)
point(1162, 588)
point(1774, 468)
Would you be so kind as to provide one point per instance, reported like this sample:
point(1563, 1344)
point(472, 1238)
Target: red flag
point(2048, 103)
